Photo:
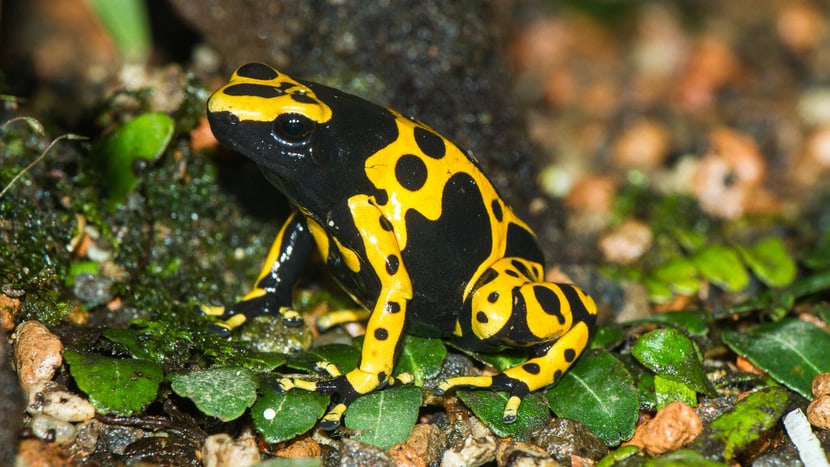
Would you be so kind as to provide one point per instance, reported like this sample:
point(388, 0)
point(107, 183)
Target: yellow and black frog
point(408, 225)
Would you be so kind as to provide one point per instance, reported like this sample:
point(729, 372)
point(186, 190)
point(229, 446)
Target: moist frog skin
point(408, 225)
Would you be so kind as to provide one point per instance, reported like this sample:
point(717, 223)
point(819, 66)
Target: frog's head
point(310, 140)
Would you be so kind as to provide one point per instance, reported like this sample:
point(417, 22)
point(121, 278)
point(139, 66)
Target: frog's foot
point(251, 306)
point(347, 387)
point(499, 382)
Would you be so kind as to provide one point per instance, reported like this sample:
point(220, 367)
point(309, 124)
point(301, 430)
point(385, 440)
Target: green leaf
point(750, 419)
point(770, 261)
point(118, 386)
point(281, 417)
point(658, 292)
point(694, 322)
point(792, 351)
point(80, 267)
point(261, 361)
point(668, 391)
point(344, 357)
point(607, 337)
point(671, 354)
point(608, 402)
point(680, 274)
point(489, 407)
point(722, 266)
point(223, 393)
point(384, 418)
point(127, 24)
point(144, 138)
point(421, 357)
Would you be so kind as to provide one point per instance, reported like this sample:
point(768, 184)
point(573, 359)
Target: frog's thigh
point(385, 327)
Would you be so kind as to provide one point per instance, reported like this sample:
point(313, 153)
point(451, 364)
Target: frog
point(409, 226)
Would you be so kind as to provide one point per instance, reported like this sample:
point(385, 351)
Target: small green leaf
point(421, 357)
point(607, 337)
point(680, 274)
point(384, 418)
point(751, 417)
point(344, 357)
point(261, 361)
point(281, 417)
point(722, 266)
point(668, 391)
point(770, 261)
point(792, 351)
point(114, 385)
point(223, 393)
point(489, 407)
point(694, 322)
point(607, 397)
point(658, 292)
point(127, 24)
point(144, 138)
point(674, 356)
point(80, 267)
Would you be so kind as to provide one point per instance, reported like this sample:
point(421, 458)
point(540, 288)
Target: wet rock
point(357, 454)
point(562, 438)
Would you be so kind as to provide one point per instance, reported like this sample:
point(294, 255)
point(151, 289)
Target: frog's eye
point(293, 129)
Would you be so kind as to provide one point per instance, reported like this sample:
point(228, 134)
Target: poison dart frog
point(408, 225)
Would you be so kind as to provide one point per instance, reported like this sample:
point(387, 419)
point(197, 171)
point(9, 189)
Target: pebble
point(518, 454)
point(51, 429)
point(50, 399)
point(405, 455)
point(644, 144)
point(727, 178)
point(221, 450)
point(37, 354)
point(818, 412)
point(673, 427)
point(428, 441)
point(800, 26)
point(626, 243)
point(562, 439)
point(8, 311)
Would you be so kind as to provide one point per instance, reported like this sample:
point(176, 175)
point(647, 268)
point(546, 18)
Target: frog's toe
point(511, 409)
point(220, 329)
point(331, 420)
point(291, 317)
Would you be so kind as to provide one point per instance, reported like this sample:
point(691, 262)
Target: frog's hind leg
point(512, 309)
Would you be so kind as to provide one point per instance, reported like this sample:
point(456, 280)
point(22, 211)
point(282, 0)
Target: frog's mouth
point(254, 141)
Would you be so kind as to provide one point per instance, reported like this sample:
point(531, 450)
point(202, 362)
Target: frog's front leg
point(384, 330)
point(271, 294)
point(512, 307)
